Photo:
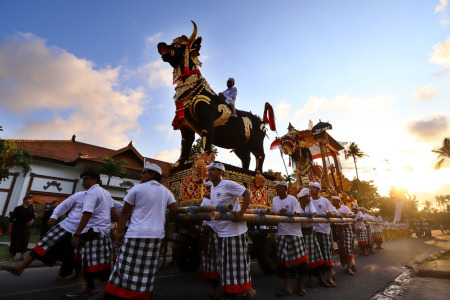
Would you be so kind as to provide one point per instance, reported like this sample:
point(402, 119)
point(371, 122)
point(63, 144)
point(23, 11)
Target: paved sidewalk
point(425, 280)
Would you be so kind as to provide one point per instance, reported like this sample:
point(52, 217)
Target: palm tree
point(444, 152)
point(356, 153)
point(111, 168)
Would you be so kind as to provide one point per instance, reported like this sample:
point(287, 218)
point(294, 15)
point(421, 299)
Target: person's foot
point(331, 283)
point(354, 268)
point(323, 283)
point(284, 293)
point(349, 272)
point(251, 294)
point(79, 293)
point(12, 269)
point(301, 292)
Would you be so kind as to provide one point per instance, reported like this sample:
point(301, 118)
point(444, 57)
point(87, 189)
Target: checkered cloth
point(135, 268)
point(369, 236)
point(211, 259)
point(377, 237)
point(326, 247)
point(96, 254)
point(361, 236)
point(315, 258)
point(50, 239)
point(235, 270)
point(346, 242)
point(291, 256)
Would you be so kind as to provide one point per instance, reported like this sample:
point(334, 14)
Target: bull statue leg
point(244, 156)
point(258, 152)
point(187, 139)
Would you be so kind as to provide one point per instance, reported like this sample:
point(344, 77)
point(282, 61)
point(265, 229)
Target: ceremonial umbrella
point(320, 127)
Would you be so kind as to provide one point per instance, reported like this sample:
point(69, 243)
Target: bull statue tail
point(269, 116)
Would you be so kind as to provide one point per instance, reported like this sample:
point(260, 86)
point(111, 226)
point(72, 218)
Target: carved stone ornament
point(259, 180)
point(199, 166)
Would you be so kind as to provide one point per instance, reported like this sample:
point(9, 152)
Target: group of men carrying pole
point(303, 249)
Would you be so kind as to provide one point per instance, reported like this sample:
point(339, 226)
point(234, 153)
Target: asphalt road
point(375, 272)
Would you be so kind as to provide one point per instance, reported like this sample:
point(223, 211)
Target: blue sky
point(377, 70)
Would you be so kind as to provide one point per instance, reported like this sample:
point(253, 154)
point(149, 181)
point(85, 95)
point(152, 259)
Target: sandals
point(283, 293)
point(349, 272)
point(331, 283)
point(301, 292)
point(10, 269)
point(323, 283)
point(354, 268)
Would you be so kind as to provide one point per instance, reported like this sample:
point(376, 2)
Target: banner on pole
point(398, 211)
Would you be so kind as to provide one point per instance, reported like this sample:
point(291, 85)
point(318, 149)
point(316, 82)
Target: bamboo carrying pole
point(206, 216)
point(227, 216)
point(205, 208)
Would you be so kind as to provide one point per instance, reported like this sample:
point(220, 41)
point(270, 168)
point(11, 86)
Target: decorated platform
point(188, 189)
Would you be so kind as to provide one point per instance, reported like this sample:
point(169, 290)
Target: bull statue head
point(182, 54)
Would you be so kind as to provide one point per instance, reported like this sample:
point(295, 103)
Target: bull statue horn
point(193, 35)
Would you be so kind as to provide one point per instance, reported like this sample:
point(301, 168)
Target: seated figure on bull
point(229, 96)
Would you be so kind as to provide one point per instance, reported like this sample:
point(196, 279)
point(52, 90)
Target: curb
point(432, 273)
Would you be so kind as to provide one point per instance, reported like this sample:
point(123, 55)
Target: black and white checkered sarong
point(315, 258)
point(211, 260)
point(96, 254)
point(135, 267)
point(235, 270)
point(326, 247)
point(369, 236)
point(377, 237)
point(361, 235)
point(50, 239)
point(346, 242)
point(54, 246)
point(291, 256)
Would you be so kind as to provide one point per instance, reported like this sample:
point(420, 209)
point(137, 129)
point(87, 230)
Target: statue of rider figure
point(229, 95)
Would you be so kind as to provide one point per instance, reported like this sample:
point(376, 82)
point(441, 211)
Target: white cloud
point(169, 156)
point(344, 103)
point(157, 73)
point(78, 98)
point(282, 110)
point(429, 129)
point(153, 39)
point(441, 54)
point(168, 129)
point(441, 6)
point(424, 92)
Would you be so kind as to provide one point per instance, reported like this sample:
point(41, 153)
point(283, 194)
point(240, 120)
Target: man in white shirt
point(361, 232)
point(235, 270)
point(55, 245)
point(369, 229)
point(323, 230)
point(315, 263)
point(378, 229)
point(93, 231)
point(230, 95)
point(211, 260)
point(145, 206)
point(291, 252)
point(345, 237)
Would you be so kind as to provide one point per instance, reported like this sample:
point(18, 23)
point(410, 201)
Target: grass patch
point(34, 238)
point(442, 256)
point(4, 252)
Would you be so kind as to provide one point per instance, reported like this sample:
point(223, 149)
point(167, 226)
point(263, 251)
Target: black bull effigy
point(200, 110)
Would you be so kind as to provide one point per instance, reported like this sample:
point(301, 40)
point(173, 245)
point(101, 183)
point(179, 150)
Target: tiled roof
point(68, 151)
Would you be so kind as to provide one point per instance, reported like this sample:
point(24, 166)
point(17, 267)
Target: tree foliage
point(367, 193)
point(356, 153)
point(443, 153)
point(111, 168)
point(197, 148)
point(11, 156)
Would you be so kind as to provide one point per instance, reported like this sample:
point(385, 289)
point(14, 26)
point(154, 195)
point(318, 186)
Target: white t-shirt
point(360, 224)
point(289, 203)
point(98, 201)
point(150, 201)
point(369, 218)
point(344, 210)
point(322, 205)
point(118, 205)
point(309, 208)
point(378, 228)
point(74, 202)
point(228, 192)
point(210, 223)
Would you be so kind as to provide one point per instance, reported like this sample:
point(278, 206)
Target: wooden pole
point(338, 171)
point(323, 151)
point(204, 208)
